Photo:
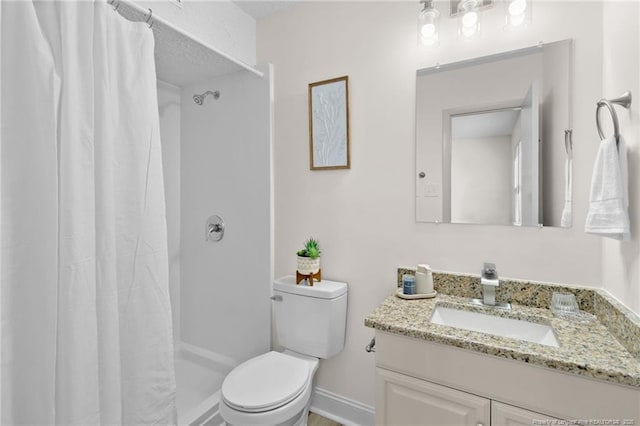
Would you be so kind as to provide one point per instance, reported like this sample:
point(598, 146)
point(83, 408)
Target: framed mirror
point(490, 132)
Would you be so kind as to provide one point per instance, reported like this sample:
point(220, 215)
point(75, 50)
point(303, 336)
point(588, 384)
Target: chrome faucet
point(489, 281)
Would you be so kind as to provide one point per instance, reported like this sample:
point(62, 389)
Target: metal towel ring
point(614, 117)
point(624, 100)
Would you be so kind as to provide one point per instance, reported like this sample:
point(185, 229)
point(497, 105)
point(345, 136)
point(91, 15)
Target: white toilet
point(275, 388)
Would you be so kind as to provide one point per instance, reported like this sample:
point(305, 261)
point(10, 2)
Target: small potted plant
point(309, 258)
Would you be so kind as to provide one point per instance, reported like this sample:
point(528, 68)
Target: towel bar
point(624, 100)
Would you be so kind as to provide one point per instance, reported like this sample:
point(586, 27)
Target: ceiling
point(261, 9)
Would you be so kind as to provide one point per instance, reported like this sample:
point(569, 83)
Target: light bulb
point(517, 7)
point(428, 30)
point(470, 19)
point(470, 24)
point(428, 23)
point(517, 13)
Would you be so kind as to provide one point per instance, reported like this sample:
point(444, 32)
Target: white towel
point(567, 216)
point(608, 203)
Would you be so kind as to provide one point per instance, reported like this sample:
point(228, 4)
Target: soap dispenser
point(424, 280)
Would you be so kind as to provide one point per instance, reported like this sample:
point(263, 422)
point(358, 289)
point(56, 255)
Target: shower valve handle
point(214, 228)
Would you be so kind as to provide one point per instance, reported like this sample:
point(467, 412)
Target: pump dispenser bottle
point(424, 280)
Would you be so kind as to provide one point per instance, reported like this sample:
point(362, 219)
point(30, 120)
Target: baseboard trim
point(340, 409)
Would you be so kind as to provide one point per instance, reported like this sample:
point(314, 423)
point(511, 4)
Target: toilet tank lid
point(324, 289)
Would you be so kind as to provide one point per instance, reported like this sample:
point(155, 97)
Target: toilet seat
point(266, 382)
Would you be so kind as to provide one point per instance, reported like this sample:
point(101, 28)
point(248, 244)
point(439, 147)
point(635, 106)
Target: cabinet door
point(508, 415)
point(404, 400)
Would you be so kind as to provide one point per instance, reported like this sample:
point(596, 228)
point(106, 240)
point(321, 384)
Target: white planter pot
point(308, 266)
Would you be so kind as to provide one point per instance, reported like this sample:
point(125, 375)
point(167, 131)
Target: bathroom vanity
point(428, 373)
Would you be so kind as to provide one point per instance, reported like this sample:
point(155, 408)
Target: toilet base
point(300, 420)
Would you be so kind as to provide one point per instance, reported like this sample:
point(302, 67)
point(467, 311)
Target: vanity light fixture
point(517, 13)
point(429, 25)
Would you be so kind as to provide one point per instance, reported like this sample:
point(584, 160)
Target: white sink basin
point(499, 326)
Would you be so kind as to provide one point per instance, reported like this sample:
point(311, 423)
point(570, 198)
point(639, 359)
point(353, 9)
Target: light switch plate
point(432, 190)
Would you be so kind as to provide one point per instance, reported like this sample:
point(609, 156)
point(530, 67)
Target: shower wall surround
point(169, 109)
point(226, 170)
point(365, 216)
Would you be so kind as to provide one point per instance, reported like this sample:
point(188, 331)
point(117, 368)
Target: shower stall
point(215, 121)
point(215, 124)
point(223, 315)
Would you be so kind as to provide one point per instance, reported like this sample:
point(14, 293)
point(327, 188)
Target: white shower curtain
point(86, 333)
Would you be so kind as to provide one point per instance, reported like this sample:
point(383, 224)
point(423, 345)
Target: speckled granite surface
point(606, 348)
point(621, 322)
point(528, 293)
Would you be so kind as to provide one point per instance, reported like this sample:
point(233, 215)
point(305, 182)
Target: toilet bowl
point(270, 389)
point(275, 388)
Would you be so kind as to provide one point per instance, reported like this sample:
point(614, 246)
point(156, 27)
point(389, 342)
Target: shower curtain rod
point(134, 12)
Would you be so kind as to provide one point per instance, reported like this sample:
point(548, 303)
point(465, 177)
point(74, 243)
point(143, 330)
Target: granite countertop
point(587, 347)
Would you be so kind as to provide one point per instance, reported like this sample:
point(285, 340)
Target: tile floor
point(316, 420)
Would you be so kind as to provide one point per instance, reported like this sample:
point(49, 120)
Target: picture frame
point(329, 124)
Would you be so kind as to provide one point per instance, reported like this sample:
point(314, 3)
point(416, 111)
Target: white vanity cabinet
point(424, 383)
point(410, 401)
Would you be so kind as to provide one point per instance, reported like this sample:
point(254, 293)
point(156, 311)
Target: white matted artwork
point(329, 124)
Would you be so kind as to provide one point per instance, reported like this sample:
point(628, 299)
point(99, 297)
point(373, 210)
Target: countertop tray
point(401, 295)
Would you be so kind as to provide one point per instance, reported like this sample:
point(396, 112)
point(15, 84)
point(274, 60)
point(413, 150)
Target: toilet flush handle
point(276, 298)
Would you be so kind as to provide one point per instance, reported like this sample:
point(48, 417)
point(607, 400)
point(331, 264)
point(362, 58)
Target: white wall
point(219, 23)
point(169, 109)
point(364, 217)
point(621, 71)
point(226, 171)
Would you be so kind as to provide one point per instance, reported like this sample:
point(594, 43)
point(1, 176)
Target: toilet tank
point(310, 320)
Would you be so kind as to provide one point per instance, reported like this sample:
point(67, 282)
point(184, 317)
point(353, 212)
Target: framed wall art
point(329, 124)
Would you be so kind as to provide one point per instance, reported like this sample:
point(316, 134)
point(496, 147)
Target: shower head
point(199, 99)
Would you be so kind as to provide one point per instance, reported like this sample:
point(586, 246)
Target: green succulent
point(311, 249)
